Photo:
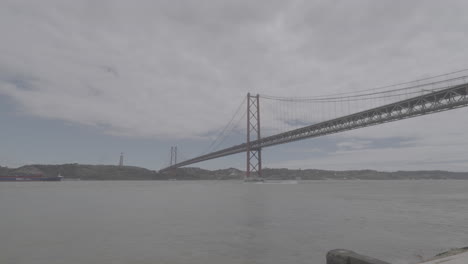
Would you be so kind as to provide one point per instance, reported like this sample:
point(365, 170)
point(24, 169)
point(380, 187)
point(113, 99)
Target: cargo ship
point(35, 177)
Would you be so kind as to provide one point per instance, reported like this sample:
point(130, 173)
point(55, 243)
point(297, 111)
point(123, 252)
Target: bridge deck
point(442, 100)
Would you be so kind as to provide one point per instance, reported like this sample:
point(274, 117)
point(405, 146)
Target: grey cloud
point(179, 68)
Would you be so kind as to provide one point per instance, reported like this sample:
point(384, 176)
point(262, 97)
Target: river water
point(229, 222)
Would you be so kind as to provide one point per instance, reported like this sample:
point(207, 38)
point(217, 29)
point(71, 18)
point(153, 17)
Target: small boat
point(253, 179)
point(281, 181)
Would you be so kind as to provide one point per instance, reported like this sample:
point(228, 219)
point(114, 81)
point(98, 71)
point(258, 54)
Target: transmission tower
point(254, 153)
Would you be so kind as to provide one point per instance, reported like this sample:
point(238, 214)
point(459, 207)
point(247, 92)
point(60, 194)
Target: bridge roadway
point(438, 101)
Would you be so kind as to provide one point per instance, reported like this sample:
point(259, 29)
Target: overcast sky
point(82, 81)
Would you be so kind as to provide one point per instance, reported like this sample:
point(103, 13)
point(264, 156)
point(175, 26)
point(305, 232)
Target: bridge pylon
point(174, 161)
point(173, 155)
point(254, 153)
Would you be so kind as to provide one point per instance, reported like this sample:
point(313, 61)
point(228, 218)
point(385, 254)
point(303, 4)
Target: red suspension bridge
point(390, 103)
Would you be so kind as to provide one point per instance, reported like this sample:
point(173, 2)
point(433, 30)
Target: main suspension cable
point(355, 94)
point(223, 131)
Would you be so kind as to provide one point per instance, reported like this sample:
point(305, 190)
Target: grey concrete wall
point(343, 256)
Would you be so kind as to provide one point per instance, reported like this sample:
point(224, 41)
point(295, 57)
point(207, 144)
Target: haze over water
point(229, 222)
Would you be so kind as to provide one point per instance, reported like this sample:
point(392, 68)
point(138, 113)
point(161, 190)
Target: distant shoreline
point(112, 172)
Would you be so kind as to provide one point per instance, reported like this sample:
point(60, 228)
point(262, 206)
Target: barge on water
point(27, 178)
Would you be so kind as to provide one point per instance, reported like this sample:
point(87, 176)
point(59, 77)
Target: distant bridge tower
point(254, 152)
point(121, 159)
point(174, 161)
point(173, 155)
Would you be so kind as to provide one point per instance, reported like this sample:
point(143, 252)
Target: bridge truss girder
point(438, 101)
point(443, 100)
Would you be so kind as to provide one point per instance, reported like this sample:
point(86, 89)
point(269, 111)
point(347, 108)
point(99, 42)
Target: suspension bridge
point(330, 114)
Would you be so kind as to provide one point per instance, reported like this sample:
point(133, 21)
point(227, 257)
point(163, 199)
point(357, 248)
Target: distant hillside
point(4, 170)
point(86, 172)
point(312, 174)
point(111, 172)
point(201, 174)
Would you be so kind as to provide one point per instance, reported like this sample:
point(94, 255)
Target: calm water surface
point(229, 222)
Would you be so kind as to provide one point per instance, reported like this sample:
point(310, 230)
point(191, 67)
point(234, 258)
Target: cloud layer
point(178, 69)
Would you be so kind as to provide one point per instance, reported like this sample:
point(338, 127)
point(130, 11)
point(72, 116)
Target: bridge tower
point(174, 160)
point(254, 152)
point(173, 155)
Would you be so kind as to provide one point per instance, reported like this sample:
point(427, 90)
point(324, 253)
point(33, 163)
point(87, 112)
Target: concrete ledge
point(343, 256)
point(454, 256)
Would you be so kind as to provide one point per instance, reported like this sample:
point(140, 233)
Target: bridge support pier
point(254, 153)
